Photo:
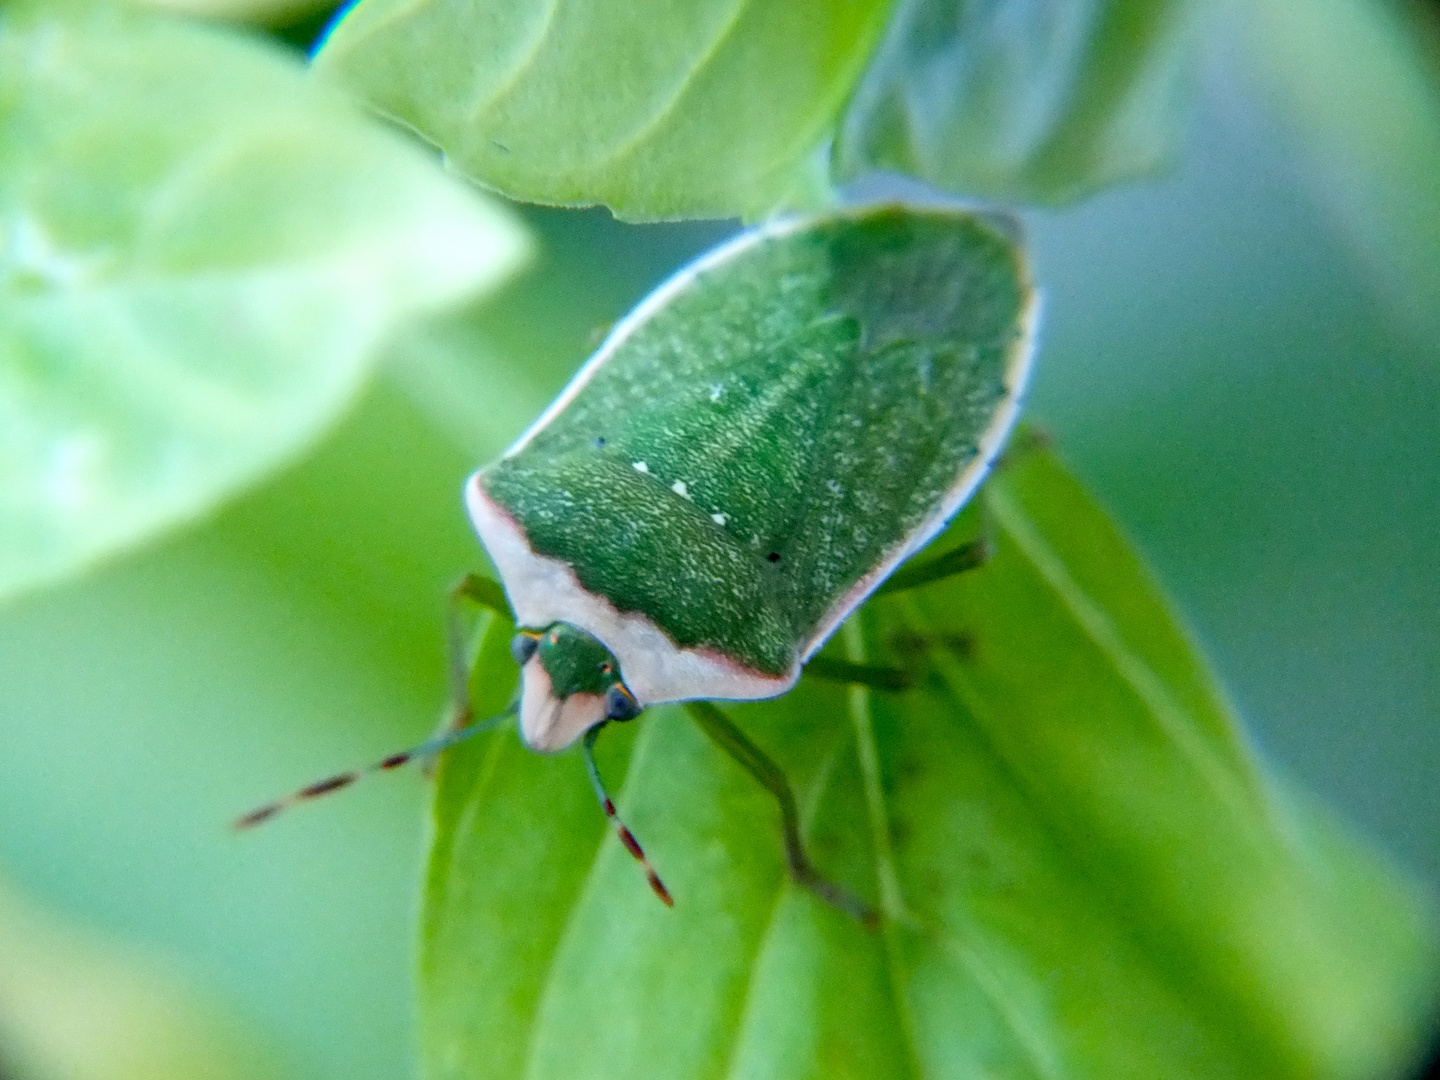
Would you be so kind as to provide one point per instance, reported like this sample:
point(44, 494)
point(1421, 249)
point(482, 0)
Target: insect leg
point(875, 676)
point(587, 746)
point(482, 592)
point(1026, 439)
point(753, 760)
point(474, 591)
point(957, 560)
point(975, 553)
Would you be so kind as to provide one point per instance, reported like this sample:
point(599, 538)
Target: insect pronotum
point(748, 456)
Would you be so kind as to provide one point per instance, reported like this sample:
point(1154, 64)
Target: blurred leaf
point(75, 1009)
point(201, 251)
point(1362, 93)
point(460, 368)
point(708, 108)
point(1023, 101)
point(1082, 871)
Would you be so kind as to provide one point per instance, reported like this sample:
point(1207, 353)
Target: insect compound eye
point(620, 705)
point(522, 648)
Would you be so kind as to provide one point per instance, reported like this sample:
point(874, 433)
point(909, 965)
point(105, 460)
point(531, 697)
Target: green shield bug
point(750, 454)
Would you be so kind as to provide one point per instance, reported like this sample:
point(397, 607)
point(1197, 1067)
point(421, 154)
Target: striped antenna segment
point(424, 751)
point(626, 836)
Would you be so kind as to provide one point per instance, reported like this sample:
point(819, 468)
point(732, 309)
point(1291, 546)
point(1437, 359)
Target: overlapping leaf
point(200, 251)
point(724, 107)
point(1083, 873)
point(1030, 102)
point(658, 110)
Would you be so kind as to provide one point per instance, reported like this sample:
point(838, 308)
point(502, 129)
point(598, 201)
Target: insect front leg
point(757, 763)
point(470, 592)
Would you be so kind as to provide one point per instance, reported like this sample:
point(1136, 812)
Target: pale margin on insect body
point(747, 457)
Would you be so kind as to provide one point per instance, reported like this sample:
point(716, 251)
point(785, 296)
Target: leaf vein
point(517, 72)
point(587, 886)
point(700, 62)
point(892, 902)
point(1172, 718)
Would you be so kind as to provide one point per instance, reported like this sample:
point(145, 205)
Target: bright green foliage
point(782, 424)
point(661, 110)
point(1023, 101)
point(1081, 869)
point(657, 109)
point(200, 251)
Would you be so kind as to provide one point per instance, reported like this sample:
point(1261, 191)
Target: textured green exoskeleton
point(755, 449)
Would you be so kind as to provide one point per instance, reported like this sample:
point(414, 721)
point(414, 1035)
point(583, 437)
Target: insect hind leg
point(968, 556)
point(974, 553)
point(849, 673)
point(758, 764)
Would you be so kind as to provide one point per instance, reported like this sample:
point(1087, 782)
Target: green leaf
point(201, 252)
point(76, 1008)
point(1361, 91)
point(1022, 101)
point(723, 107)
point(1082, 869)
point(707, 108)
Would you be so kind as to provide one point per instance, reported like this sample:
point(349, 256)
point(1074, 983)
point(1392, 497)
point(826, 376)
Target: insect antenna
point(626, 836)
point(425, 751)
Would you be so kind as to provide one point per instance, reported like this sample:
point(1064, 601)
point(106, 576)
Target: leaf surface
point(726, 107)
point(1082, 870)
point(658, 110)
point(201, 250)
point(1022, 101)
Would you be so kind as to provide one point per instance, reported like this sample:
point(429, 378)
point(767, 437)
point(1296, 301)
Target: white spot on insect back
point(679, 488)
point(719, 519)
point(716, 390)
point(640, 466)
point(834, 486)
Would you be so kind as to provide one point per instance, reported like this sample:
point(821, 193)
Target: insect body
point(750, 454)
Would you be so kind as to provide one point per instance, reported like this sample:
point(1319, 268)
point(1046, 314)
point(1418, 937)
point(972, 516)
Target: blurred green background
point(1222, 361)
